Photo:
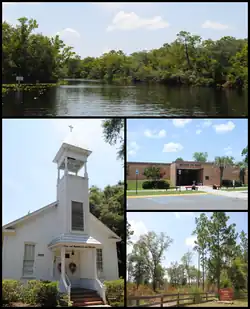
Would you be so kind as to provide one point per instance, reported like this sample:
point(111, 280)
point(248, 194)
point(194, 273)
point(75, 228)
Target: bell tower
point(72, 189)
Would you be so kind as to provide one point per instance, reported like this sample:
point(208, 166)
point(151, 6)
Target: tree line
point(222, 257)
point(186, 61)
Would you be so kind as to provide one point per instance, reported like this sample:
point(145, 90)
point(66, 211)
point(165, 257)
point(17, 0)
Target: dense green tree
point(186, 61)
point(153, 173)
point(186, 261)
point(108, 206)
point(154, 247)
point(222, 163)
point(113, 133)
point(201, 242)
point(179, 159)
point(200, 156)
point(221, 244)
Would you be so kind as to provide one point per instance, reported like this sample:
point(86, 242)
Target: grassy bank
point(30, 87)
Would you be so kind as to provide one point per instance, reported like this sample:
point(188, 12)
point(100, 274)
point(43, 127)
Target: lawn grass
point(235, 189)
point(149, 193)
point(236, 303)
point(132, 184)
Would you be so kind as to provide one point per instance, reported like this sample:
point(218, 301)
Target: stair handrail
point(67, 284)
point(101, 289)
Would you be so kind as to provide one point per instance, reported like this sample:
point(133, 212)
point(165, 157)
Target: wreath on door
point(72, 267)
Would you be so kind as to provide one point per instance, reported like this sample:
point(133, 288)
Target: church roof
point(75, 140)
point(75, 240)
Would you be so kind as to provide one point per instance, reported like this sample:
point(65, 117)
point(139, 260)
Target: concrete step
point(87, 303)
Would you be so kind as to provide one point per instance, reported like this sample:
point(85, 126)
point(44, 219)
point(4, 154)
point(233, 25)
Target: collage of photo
point(125, 154)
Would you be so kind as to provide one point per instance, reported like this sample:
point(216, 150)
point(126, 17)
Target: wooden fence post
point(137, 302)
point(178, 300)
point(206, 297)
point(162, 301)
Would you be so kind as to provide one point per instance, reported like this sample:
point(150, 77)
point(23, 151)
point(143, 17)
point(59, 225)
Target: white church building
point(63, 241)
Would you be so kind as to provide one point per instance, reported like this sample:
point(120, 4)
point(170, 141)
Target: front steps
point(84, 297)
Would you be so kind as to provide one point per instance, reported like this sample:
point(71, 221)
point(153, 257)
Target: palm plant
point(242, 165)
point(222, 163)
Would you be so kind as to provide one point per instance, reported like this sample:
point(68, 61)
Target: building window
point(206, 177)
point(29, 260)
point(99, 263)
point(77, 216)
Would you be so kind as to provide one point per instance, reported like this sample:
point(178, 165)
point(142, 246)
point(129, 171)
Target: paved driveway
point(187, 202)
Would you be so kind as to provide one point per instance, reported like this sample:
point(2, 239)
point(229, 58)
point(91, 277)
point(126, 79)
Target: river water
point(92, 98)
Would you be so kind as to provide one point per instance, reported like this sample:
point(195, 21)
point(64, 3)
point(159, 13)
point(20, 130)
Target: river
point(92, 98)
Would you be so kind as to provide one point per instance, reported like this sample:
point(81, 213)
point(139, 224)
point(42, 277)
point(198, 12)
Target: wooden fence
point(173, 300)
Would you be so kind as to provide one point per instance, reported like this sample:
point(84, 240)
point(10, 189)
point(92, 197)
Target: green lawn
point(132, 184)
point(146, 192)
point(236, 303)
point(236, 189)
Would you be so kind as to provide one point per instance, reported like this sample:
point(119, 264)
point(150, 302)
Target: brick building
point(185, 172)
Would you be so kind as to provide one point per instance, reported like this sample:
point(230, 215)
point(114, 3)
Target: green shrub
point(197, 294)
point(115, 292)
point(34, 292)
point(11, 291)
point(155, 184)
point(147, 185)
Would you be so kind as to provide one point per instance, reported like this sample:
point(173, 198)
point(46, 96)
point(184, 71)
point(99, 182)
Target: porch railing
point(101, 289)
point(67, 284)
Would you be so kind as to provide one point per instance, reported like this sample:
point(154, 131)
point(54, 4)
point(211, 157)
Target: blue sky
point(178, 226)
point(164, 140)
point(94, 28)
point(29, 147)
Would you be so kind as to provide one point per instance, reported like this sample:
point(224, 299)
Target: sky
point(29, 147)
point(178, 226)
point(94, 28)
point(164, 140)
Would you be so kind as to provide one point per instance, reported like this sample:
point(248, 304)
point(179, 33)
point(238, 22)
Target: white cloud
point(208, 24)
point(131, 21)
point(224, 127)
point(172, 147)
point(69, 32)
point(133, 147)
point(139, 228)
point(180, 123)
point(206, 123)
point(155, 133)
point(228, 151)
point(178, 215)
point(198, 131)
point(189, 241)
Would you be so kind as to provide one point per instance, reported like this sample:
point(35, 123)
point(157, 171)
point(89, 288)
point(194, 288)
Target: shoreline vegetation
point(188, 61)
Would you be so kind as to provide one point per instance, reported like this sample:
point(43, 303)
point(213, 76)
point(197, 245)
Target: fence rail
point(160, 299)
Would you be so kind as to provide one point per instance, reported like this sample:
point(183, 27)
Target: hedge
point(156, 184)
point(34, 292)
point(229, 183)
point(115, 292)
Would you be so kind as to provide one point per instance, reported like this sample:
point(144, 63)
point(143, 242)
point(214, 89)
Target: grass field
point(236, 303)
point(149, 193)
point(132, 184)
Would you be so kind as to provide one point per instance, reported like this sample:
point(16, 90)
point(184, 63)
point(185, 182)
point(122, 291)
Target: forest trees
point(222, 254)
point(186, 61)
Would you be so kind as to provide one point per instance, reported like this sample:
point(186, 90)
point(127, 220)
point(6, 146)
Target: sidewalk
point(237, 194)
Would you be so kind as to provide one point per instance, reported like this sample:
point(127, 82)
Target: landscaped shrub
point(34, 292)
point(115, 292)
point(147, 185)
point(229, 183)
point(155, 184)
point(11, 291)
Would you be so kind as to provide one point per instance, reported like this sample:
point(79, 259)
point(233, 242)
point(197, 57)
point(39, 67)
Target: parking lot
point(187, 202)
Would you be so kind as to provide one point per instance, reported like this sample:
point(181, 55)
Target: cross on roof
point(71, 128)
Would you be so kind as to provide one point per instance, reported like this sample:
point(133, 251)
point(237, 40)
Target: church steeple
point(72, 155)
point(73, 189)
